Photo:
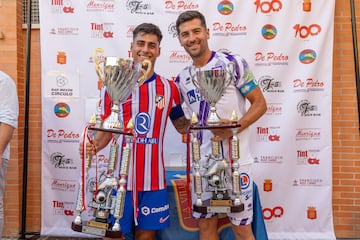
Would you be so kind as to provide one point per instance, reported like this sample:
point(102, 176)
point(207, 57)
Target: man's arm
point(101, 139)
point(181, 124)
point(6, 132)
point(256, 110)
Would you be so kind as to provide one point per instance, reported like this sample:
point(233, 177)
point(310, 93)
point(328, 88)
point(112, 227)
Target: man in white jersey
point(9, 111)
point(193, 36)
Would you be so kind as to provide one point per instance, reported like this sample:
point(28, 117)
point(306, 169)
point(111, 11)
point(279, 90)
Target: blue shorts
point(153, 211)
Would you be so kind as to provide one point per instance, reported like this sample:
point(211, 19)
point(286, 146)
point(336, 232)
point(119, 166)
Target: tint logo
point(62, 6)
point(62, 208)
point(267, 134)
point(101, 30)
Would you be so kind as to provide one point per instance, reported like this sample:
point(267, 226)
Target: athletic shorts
point(246, 197)
point(153, 211)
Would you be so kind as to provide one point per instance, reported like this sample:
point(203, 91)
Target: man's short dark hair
point(148, 28)
point(188, 16)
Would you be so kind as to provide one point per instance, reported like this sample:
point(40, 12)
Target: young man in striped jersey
point(150, 106)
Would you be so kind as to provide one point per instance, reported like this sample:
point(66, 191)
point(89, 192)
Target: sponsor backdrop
point(288, 44)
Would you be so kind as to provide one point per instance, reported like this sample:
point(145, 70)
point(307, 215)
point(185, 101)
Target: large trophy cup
point(218, 170)
point(120, 76)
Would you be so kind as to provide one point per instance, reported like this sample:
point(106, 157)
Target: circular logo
point(61, 80)
point(61, 110)
point(142, 123)
point(145, 210)
point(307, 56)
point(269, 31)
point(244, 181)
point(225, 7)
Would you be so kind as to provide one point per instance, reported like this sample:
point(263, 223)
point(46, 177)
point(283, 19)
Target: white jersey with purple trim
point(232, 100)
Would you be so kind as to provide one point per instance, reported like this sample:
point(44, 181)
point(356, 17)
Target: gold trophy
point(212, 84)
point(119, 76)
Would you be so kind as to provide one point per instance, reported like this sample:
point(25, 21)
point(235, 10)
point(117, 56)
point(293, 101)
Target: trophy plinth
point(89, 228)
point(223, 207)
point(217, 126)
point(111, 130)
point(216, 169)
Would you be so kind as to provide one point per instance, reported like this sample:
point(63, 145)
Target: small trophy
point(119, 76)
point(212, 84)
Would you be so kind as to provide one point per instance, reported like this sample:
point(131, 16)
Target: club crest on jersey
point(160, 101)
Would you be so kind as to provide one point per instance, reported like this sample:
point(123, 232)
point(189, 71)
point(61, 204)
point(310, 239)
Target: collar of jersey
point(153, 77)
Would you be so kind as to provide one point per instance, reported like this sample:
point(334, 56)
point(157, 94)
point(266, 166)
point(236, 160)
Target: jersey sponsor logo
point(193, 95)
point(244, 181)
point(145, 210)
point(142, 123)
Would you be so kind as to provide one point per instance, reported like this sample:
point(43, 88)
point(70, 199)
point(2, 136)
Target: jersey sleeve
point(245, 80)
point(176, 109)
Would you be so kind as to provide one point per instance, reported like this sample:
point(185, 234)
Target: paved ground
point(50, 238)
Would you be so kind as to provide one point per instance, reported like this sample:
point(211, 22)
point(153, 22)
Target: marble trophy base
point(96, 228)
point(218, 206)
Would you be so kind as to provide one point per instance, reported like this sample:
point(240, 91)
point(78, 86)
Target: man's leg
point(243, 232)
point(208, 228)
point(241, 222)
point(144, 234)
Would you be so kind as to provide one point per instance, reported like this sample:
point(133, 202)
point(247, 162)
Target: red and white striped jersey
point(149, 106)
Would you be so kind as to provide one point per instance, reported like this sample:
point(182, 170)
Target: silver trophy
point(212, 84)
point(120, 78)
point(219, 171)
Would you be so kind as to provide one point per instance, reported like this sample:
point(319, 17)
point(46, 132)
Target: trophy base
point(96, 229)
point(218, 206)
point(111, 130)
point(215, 126)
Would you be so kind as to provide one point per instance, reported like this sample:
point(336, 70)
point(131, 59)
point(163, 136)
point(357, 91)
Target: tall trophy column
point(225, 197)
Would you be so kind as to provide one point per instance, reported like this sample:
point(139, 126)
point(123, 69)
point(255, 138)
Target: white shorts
point(246, 197)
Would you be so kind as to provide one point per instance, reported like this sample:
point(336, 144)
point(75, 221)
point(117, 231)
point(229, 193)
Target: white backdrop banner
point(288, 45)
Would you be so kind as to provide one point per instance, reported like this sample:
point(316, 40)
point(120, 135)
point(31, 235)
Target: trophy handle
point(145, 73)
point(99, 58)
